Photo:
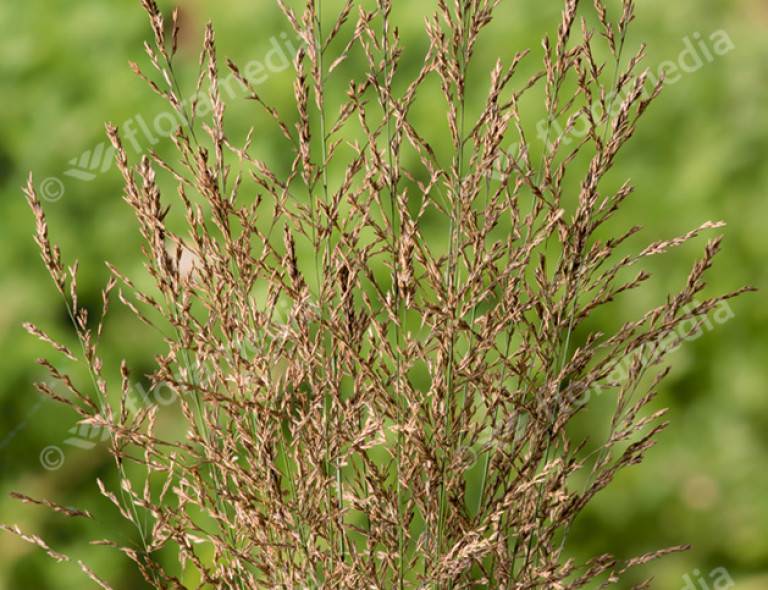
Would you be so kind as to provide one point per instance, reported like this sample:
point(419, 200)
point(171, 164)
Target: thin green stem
point(574, 302)
point(455, 234)
point(329, 410)
point(386, 100)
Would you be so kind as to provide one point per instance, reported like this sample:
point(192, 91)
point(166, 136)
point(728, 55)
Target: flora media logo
point(137, 131)
point(91, 163)
point(86, 436)
point(697, 52)
point(717, 579)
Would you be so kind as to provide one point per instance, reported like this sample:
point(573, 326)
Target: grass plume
point(369, 404)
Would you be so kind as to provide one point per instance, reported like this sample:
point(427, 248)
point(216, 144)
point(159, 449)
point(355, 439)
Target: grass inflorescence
point(369, 402)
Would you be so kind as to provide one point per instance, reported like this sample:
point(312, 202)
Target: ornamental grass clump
point(379, 349)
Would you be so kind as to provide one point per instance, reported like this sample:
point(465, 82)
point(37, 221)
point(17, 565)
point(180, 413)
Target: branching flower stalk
point(381, 354)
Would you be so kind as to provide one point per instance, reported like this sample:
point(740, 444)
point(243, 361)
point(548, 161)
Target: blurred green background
point(699, 154)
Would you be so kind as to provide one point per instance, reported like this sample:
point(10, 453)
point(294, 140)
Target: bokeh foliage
point(698, 155)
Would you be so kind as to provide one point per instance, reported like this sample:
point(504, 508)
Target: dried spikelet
point(34, 540)
point(49, 253)
point(96, 579)
point(35, 331)
point(70, 512)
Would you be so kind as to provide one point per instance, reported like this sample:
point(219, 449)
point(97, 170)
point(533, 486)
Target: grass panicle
point(368, 401)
